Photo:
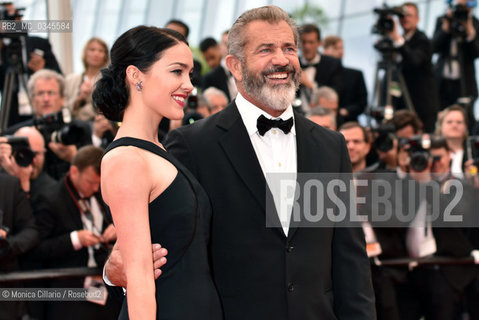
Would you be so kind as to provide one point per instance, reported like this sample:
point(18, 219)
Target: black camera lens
point(419, 161)
point(68, 135)
point(24, 157)
point(384, 142)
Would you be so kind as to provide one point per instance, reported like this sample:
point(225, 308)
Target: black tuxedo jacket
point(57, 216)
point(328, 73)
point(418, 74)
point(217, 78)
point(442, 43)
point(314, 273)
point(354, 95)
point(16, 214)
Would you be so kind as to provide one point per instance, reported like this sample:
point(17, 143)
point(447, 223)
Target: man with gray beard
point(261, 272)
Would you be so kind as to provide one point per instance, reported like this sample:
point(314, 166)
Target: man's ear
point(74, 172)
point(234, 65)
point(133, 75)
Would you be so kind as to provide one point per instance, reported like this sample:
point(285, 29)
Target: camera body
point(192, 101)
point(58, 127)
point(21, 150)
point(384, 132)
point(460, 14)
point(385, 22)
point(419, 149)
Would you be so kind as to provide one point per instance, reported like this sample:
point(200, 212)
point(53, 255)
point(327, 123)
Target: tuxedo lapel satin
point(309, 157)
point(240, 152)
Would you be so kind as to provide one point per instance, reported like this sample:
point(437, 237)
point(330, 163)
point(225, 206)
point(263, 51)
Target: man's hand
point(114, 268)
point(63, 152)
point(6, 159)
point(305, 81)
point(3, 233)
point(86, 89)
point(36, 62)
point(394, 33)
point(470, 30)
point(88, 238)
point(101, 125)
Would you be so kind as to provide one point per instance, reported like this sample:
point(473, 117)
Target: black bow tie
point(264, 124)
point(307, 65)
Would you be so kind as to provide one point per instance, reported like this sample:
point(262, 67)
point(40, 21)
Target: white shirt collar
point(250, 113)
point(316, 59)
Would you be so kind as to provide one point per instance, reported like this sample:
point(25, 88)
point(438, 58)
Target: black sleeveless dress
point(180, 222)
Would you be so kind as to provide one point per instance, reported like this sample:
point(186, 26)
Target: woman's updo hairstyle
point(141, 47)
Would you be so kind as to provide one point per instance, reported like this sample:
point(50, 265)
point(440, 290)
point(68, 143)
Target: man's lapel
point(239, 151)
point(309, 159)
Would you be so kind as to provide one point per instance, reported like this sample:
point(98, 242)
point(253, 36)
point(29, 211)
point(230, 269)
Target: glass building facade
point(350, 19)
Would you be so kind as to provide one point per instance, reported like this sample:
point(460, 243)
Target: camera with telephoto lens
point(460, 14)
point(58, 127)
point(21, 150)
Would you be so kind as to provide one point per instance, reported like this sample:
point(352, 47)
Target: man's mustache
point(288, 69)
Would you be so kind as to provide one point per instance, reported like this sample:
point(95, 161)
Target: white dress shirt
point(456, 164)
point(95, 228)
point(276, 153)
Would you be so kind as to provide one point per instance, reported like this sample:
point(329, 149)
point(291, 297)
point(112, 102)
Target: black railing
point(18, 276)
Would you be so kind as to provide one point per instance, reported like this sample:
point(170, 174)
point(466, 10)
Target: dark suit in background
point(313, 273)
point(217, 78)
point(328, 73)
point(15, 214)
point(418, 74)
point(470, 50)
point(354, 95)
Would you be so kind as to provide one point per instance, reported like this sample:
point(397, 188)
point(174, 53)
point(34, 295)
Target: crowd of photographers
point(53, 216)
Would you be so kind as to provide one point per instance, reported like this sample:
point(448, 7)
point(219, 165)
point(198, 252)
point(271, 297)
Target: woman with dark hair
point(79, 86)
point(152, 197)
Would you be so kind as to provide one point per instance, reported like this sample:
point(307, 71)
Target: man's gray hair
point(327, 92)
point(321, 112)
point(212, 91)
point(237, 38)
point(46, 74)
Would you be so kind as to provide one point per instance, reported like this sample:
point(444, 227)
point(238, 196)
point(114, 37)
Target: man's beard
point(277, 96)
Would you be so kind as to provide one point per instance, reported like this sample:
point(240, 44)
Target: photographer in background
point(354, 94)
point(33, 179)
point(455, 40)
point(46, 89)
point(37, 54)
point(415, 51)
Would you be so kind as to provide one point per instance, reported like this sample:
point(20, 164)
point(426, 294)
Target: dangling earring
point(139, 85)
